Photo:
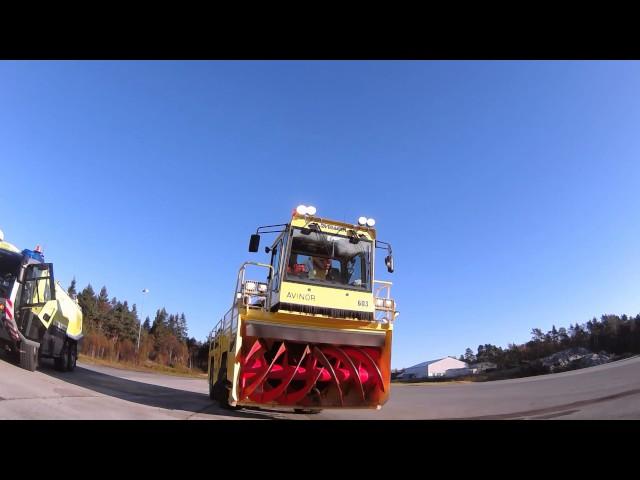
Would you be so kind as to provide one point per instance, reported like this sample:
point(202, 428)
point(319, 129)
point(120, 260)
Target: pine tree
point(469, 357)
point(129, 323)
point(104, 296)
point(103, 302)
point(554, 334)
point(72, 289)
point(181, 325)
point(159, 326)
point(563, 336)
point(88, 303)
point(171, 324)
point(537, 335)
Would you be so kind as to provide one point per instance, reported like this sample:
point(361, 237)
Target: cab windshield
point(329, 260)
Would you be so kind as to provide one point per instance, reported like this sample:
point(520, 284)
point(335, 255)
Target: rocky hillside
point(574, 358)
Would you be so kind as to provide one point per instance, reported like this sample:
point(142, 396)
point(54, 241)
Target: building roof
point(424, 364)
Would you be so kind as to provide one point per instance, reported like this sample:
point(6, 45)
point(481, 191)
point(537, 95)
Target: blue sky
point(509, 190)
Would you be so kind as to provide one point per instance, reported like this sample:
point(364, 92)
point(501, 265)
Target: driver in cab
point(319, 267)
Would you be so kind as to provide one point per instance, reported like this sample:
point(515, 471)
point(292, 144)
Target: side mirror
point(254, 243)
point(388, 261)
point(267, 249)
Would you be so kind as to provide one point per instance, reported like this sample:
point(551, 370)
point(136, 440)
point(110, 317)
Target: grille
point(330, 312)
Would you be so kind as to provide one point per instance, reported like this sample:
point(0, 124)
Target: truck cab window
point(331, 260)
point(355, 270)
point(275, 263)
point(37, 285)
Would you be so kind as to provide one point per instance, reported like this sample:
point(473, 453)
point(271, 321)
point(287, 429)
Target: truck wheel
point(211, 389)
point(29, 356)
point(222, 388)
point(60, 362)
point(71, 357)
point(220, 393)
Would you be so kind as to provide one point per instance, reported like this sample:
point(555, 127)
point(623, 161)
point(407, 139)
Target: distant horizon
point(457, 357)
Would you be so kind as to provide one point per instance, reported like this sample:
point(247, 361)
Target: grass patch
point(147, 366)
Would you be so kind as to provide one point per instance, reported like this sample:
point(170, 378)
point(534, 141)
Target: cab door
point(37, 302)
point(275, 278)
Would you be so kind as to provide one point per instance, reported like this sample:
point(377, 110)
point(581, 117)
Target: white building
point(458, 372)
point(436, 368)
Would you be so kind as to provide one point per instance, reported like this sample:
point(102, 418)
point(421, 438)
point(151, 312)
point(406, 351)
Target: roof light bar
point(364, 221)
point(306, 210)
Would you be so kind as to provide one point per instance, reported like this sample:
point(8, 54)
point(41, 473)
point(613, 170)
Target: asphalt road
point(610, 391)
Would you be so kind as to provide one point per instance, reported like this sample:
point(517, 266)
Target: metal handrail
point(240, 280)
point(383, 285)
point(226, 323)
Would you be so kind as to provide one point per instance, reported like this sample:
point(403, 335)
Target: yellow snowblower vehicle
point(37, 317)
point(316, 332)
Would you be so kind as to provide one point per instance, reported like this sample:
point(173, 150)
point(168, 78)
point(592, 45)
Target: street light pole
point(144, 291)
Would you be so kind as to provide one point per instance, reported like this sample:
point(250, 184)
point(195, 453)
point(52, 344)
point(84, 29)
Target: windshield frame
point(285, 258)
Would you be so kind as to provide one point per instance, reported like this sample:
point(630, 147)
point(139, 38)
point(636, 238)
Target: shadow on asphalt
point(144, 393)
point(147, 394)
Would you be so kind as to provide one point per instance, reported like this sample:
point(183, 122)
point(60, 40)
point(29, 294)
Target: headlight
point(379, 302)
point(262, 287)
point(371, 222)
point(388, 303)
point(250, 286)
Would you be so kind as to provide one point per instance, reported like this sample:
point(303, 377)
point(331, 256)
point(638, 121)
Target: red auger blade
point(262, 375)
point(276, 392)
point(257, 345)
point(257, 349)
point(327, 364)
point(366, 359)
point(317, 369)
point(312, 374)
point(340, 354)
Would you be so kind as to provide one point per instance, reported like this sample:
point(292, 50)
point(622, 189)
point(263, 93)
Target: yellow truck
point(316, 331)
point(38, 319)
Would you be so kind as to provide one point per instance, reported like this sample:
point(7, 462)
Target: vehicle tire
point(222, 388)
point(29, 356)
point(14, 355)
point(60, 362)
point(211, 389)
point(71, 357)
